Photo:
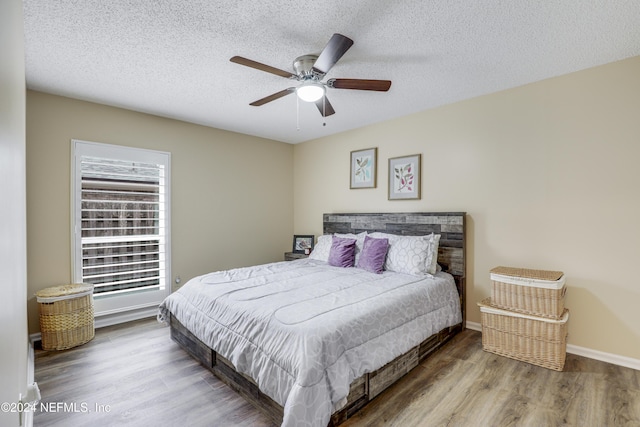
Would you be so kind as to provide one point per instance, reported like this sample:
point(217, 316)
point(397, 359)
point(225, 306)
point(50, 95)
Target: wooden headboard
point(450, 226)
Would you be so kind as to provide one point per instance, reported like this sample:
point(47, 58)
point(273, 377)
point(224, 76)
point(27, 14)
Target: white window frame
point(130, 301)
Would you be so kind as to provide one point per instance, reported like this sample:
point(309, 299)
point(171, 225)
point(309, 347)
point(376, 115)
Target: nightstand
point(290, 256)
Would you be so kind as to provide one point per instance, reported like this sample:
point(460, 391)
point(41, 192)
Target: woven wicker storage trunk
point(66, 316)
point(535, 340)
point(534, 292)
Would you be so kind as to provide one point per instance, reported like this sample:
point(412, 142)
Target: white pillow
point(321, 250)
point(323, 246)
point(432, 259)
point(417, 255)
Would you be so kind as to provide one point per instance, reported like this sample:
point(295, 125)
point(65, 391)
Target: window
point(121, 225)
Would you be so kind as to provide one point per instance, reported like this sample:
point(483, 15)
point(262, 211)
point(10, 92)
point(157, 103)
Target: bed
point(310, 343)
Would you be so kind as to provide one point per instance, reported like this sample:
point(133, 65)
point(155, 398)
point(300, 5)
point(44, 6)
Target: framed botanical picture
point(364, 168)
point(404, 177)
point(302, 244)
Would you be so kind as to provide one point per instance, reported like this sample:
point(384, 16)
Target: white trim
point(115, 318)
point(614, 359)
point(34, 338)
point(473, 326)
point(31, 362)
point(107, 305)
point(31, 368)
point(109, 320)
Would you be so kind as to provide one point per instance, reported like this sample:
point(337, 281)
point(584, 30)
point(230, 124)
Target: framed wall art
point(404, 177)
point(364, 168)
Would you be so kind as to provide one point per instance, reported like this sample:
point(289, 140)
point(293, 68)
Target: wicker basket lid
point(486, 306)
point(63, 291)
point(528, 273)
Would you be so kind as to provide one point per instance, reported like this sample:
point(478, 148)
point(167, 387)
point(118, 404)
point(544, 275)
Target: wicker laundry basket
point(534, 292)
point(66, 316)
point(536, 340)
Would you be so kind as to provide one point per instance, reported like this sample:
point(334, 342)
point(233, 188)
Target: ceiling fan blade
point(273, 97)
point(332, 52)
point(360, 84)
point(325, 107)
point(262, 67)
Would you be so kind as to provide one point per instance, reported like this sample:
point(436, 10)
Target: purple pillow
point(342, 252)
point(374, 252)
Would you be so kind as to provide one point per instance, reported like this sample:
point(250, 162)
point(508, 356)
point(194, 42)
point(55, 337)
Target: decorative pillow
point(343, 252)
point(374, 253)
point(407, 254)
point(411, 254)
point(432, 258)
point(323, 245)
point(321, 250)
point(359, 241)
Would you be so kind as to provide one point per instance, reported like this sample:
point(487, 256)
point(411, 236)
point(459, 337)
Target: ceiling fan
point(310, 70)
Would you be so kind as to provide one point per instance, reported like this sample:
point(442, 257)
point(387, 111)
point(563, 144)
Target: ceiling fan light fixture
point(310, 91)
point(310, 70)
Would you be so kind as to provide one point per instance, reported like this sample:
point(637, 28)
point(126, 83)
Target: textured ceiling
point(171, 57)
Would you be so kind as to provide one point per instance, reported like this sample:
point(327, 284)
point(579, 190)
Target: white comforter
point(304, 330)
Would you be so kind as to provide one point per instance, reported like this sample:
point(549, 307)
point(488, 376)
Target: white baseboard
point(31, 362)
point(112, 319)
point(125, 316)
point(473, 326)
point(31, 368)
point(614, 359)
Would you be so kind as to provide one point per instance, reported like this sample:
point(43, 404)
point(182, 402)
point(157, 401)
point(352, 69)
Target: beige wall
point(232, 194)
point(548, 174)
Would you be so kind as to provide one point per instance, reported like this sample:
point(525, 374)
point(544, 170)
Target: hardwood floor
point(135, 375)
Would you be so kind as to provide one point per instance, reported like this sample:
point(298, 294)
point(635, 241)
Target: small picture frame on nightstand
point(302, 244)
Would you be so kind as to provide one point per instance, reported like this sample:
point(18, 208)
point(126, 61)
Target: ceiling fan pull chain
point(324, 110)
point(297, 114)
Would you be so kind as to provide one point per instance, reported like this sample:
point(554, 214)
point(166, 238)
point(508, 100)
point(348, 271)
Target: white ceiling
point(171, 57)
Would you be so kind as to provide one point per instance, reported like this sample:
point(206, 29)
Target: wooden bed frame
point(451, 257)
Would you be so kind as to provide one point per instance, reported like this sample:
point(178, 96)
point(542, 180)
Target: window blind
point(123, 225)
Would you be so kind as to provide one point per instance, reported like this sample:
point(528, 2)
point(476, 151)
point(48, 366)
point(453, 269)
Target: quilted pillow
point(374, 253)
point(432, 259)
point(321, 249)
point(342, 252)
point(416, 255)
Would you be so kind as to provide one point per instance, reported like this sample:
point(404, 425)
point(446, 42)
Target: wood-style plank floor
point(135, 375)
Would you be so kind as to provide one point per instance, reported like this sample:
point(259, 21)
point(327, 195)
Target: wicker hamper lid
point(57, 293)
point(486, 306)
point(528, 273)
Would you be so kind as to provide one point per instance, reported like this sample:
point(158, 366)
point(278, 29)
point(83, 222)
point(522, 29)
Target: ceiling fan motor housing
point(303, 65)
